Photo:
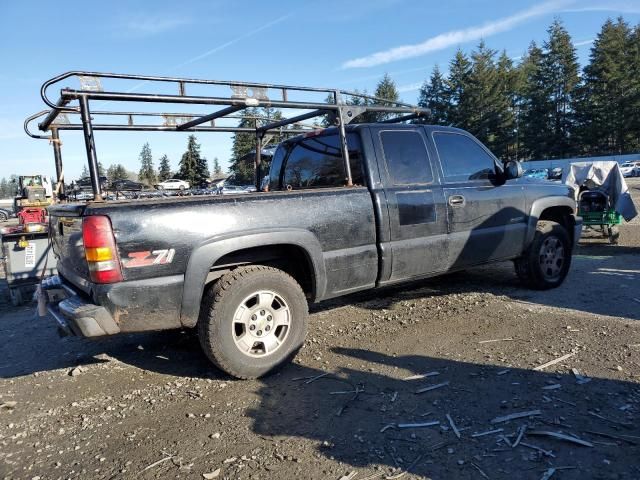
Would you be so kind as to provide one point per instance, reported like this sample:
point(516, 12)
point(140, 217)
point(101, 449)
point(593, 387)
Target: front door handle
point(456, 201)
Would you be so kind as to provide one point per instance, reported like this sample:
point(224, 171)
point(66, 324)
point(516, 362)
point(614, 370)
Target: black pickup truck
point(342, 209)
point(425, 200)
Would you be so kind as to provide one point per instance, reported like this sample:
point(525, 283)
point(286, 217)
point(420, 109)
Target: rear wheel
point(3, 216)
point(253, 320)
point(546, 262)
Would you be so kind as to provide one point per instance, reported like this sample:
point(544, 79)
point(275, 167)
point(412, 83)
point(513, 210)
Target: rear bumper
point(74, 314)
point(133, 306)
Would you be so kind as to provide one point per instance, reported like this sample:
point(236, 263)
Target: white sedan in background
point(173, 184)
point(630, 169)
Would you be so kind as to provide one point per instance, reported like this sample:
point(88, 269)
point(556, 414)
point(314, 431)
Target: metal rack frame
point(73, 102)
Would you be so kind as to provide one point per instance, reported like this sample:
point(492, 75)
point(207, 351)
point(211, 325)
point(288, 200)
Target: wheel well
point(288, 258)
point(561, 215)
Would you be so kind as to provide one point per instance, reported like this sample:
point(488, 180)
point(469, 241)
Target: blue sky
point(333, 43)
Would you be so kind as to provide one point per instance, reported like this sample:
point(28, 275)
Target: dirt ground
point(150, 406)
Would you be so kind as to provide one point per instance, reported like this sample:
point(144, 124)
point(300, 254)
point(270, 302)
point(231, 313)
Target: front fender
point(540, 205)
point(205, 256)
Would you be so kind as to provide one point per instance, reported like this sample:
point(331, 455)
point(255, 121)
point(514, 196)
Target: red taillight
point(100, 250)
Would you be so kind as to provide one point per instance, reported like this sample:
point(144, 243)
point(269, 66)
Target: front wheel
point(252, 321)
point(546, 262)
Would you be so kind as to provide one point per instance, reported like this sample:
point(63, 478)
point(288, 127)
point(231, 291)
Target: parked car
point(173, 184)
point(5, 214)
point(84, 184)
point(425, 200)
point(127, 185)
point(539, 173)
point(630, 169)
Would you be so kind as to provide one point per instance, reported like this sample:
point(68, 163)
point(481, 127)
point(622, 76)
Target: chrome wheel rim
point(551, 258)
point(261, 324)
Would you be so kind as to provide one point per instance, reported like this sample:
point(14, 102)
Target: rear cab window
point(462, 158)
point(316, 162)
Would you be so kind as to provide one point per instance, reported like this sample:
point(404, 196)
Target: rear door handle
point(456, 201)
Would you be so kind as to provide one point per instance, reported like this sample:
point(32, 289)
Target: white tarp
point(604, 176)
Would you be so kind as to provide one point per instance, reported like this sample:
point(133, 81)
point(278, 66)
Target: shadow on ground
point(363, 429)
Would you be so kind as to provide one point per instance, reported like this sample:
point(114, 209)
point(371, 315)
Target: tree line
point(545, 107)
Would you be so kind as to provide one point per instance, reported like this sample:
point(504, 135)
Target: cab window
point(462, 158)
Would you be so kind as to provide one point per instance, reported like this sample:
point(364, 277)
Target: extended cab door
point(487, 220)
point(415, 203)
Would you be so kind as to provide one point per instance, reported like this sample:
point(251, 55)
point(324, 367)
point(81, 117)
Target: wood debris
point(480, 470)
point(497, 340)
point(561, 436)
point(580, 379)
point(624, 424)
point(453, 426)
point(212, 475)
point(421, 376)
point(313, 379)
point(548, 474)
point(387, 427)
point(612, 436)
point(548, 453)
point(553, 362)
point(515, 416)
point(349, 476)
point(418, 425)
point(555, 386)
point(521, 431)
point(432, 387)
point(489, 432)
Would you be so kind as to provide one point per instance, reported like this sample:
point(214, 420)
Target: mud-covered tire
point(223, 335)
point(540, 267)
point(614, 234)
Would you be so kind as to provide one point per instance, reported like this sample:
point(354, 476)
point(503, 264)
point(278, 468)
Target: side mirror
point(513, 169)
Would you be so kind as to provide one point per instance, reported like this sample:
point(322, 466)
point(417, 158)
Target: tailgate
point(66, 237)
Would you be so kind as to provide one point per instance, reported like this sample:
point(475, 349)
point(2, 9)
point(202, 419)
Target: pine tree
point(633, 106)
point(605, 107)
point(386, 90)
point(506, 122)
point(242, 167)
point(193, 167)
point(457, 87)
point(559, 74)
point(85, 172)
point(147, 172)
point(435, 96)
point(217, 170)
point(533, 106)
point(164, 170)
point(4, 188)
point(116, 172)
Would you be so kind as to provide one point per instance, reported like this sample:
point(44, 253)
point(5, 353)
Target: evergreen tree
point(164, 170)
point(633, 106)
point(217, 170)
point(605, 107)
point(116, 172)
point(386, 90)
point(457, 90)
point(506, 121)
point(533, 106)
point(147, 172)
point(559, 75)
point(85, 172)
point(435, 96)
point(101, 171)
point(4, 188)
point(242, 167)
point(193, 167)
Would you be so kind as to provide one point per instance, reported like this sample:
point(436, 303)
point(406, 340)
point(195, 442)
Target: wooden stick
point(553, 362)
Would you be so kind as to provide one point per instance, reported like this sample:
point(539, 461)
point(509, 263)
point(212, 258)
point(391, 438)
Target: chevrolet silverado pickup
point(342, 209)
point(425, 200)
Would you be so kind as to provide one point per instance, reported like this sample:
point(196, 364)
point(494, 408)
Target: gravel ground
point(150, 406)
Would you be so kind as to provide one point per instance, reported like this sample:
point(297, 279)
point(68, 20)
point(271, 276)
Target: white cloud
point(455, 37)
point(584, 42)
point(632, 7)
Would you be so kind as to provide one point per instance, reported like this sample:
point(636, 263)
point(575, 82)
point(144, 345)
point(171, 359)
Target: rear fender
point(208, 253)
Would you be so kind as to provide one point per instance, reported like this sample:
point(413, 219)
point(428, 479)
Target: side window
point(406, 156)
point(462, 158)
point(316, 162)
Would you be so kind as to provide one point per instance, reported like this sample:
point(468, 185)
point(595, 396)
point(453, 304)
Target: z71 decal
point(149, 258)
